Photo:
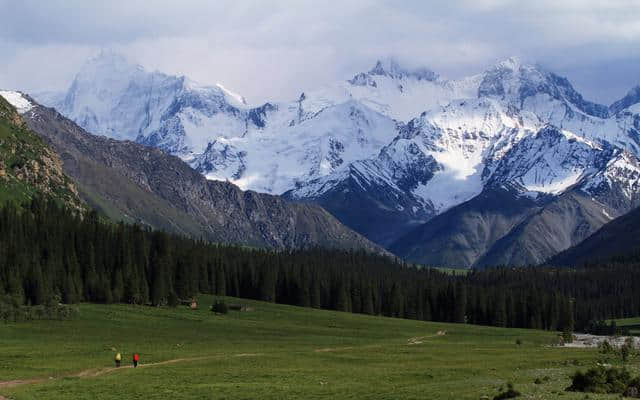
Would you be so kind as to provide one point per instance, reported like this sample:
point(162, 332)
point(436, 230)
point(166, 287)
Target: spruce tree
point(460, 303)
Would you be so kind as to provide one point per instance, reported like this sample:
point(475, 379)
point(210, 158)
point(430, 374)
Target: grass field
point(276, 352)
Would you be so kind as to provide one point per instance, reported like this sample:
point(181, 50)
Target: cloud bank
point(274, 49)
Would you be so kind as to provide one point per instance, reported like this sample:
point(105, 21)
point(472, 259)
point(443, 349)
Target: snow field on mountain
point(17, 100)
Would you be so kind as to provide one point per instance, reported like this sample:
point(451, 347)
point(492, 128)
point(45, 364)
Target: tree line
point(48, 252)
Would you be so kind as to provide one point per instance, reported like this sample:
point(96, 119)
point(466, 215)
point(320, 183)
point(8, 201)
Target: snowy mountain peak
point(512, 63)
point(531, 86)
point(393, 69)
point(508, 77)
point(236, 97)
point(108, 61)
point(630, 99)
point(112, 96)
point(117, 72)
point(106, 56)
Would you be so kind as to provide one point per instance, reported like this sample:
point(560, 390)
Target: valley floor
point(277, 352)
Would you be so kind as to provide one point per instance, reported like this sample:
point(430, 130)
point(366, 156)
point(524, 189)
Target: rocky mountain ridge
point(392, 148)
point(137, 183)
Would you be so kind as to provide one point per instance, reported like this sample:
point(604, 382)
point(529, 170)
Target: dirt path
point(413, 340)
point(420, 339)
point(18, 382)
point(94, 372)
point(102, 371)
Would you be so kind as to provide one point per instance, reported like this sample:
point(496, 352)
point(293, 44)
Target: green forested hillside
point(47, 251)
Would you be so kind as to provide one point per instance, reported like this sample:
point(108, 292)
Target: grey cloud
point(273, 49)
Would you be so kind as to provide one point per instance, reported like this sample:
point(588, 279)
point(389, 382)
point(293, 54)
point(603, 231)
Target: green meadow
point(277, 352)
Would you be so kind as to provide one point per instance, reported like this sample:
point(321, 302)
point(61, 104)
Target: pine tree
point(500, 311)
point(36, 292)
point(460, 303)
point(267, 284)
point(342, 298)
point(117, 289)
point(315, 300)
point(367, 299)
point(221, 282)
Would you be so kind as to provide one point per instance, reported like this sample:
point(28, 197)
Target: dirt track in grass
point(94, 372)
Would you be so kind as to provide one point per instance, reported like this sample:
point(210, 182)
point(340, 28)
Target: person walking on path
point(118, 359)
point(135, 360)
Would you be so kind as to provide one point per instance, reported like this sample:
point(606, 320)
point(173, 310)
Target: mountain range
point(131, 182)
point(511, 165)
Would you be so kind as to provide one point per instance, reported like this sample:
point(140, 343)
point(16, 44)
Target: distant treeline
point(48, 252)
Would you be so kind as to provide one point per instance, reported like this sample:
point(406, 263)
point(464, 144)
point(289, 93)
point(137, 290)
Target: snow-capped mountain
point(281, 156)
point(386, 150)
point(115, 98)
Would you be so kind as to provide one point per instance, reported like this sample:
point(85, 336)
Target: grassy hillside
point(276, 352)
point(27, 165)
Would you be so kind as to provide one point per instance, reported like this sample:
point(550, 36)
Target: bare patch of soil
point(420, 339)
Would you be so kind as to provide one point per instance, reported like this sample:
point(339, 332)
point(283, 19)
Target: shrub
point(12, 311)
point(518, 342)
point(510, 393)
point(539, 381)
point(567, 336)
point(633, 389)
point(557, 341)
point(628, 349)
point(600, 380)
point(605, 347)
point(625, 352)
point(600, 327)
point(219, 307)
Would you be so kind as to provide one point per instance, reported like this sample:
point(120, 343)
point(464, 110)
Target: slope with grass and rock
point(28, 167)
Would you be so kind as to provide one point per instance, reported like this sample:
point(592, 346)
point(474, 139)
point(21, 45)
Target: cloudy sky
point(271, 49)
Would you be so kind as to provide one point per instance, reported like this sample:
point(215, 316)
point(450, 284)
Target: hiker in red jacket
point(135, 360)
